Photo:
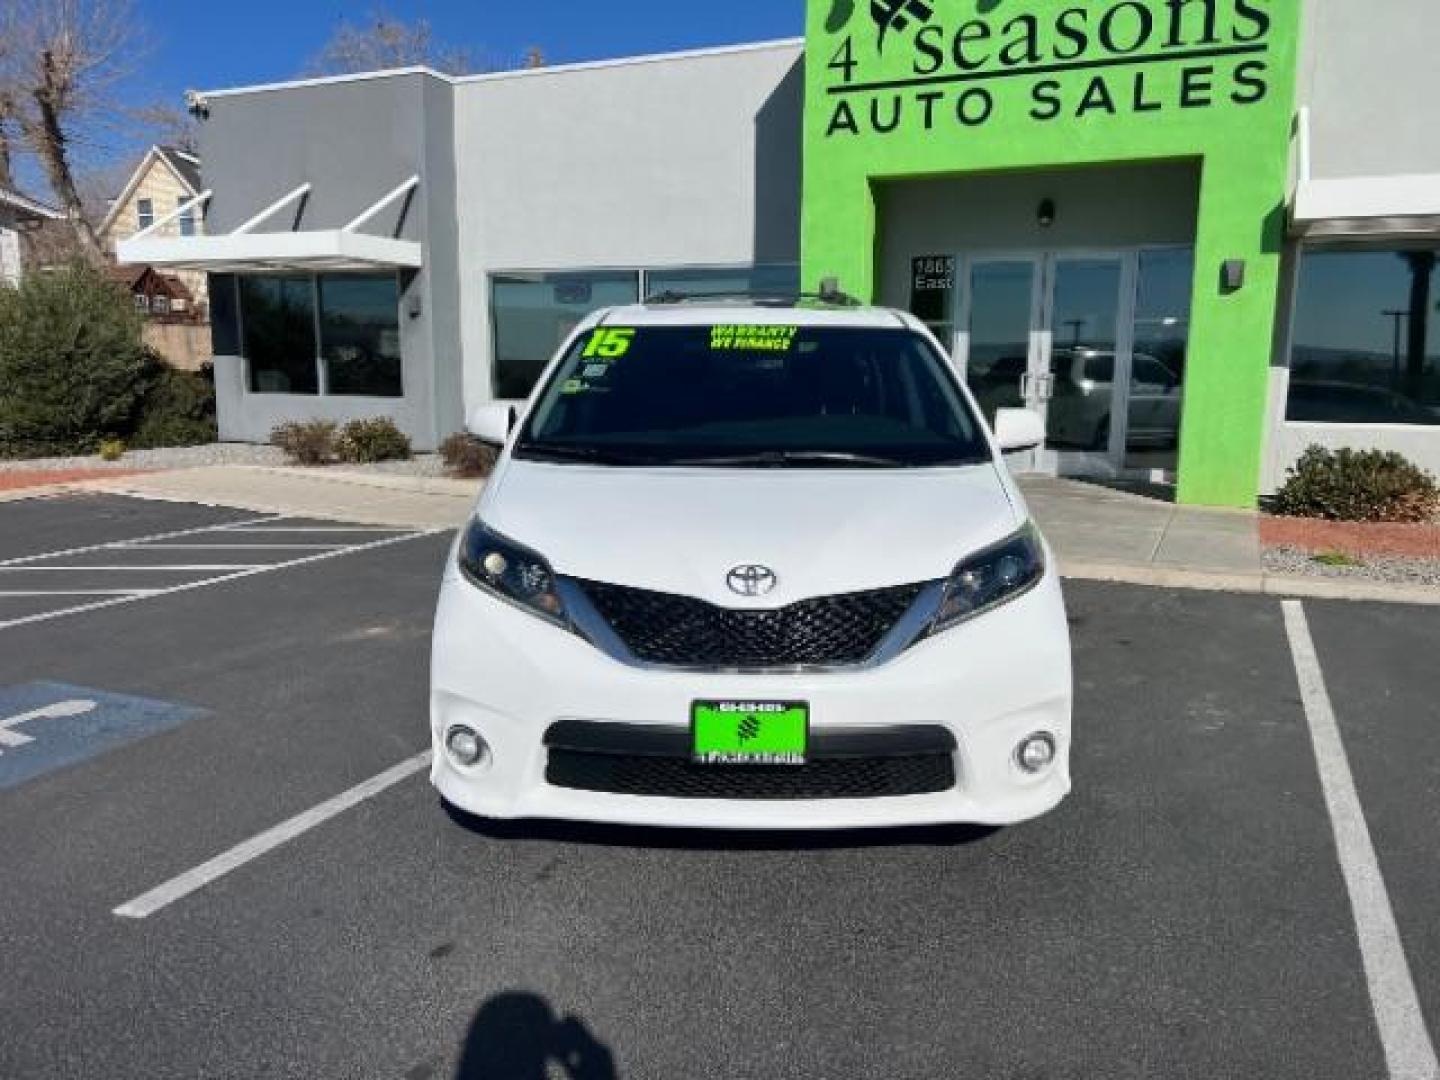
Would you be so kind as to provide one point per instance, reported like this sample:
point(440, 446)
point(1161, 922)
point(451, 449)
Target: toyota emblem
point(752, 580)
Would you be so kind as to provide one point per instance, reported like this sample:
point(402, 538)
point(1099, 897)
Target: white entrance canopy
point(1359, 206)
point(1369, 206)
point(245, 250)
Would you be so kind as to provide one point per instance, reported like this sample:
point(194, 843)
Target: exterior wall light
point(1232, 275)
point(1046, 213)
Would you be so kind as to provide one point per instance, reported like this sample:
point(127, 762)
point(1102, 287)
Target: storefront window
point(776, 281)
point(278, 321)
point(534, 313)
point(1366, 338)
point(1157, 373)
point(360, 334)
point(349, 322)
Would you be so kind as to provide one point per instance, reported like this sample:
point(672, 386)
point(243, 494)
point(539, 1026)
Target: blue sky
point(212, 46)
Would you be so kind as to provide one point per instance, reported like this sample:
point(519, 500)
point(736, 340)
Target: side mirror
point(1019, 429)
point(491, 423)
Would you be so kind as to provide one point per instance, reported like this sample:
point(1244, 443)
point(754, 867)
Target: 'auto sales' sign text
point(929, 65)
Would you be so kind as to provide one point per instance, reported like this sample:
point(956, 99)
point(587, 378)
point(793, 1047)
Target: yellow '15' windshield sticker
point(609, 343)
point(753, 338)
point(606, 345)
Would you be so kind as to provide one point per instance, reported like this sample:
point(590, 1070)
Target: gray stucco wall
point(1113, 207)
point(651, 163)
point(1368, 73)
point(353, 141)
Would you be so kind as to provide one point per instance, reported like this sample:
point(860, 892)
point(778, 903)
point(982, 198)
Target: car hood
point(821, 531)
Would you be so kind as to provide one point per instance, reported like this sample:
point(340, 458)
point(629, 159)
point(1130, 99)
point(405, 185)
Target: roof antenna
point(831, 293)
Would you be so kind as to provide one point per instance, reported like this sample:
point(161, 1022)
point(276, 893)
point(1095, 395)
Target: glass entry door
point(1082, 387)
point(1057, 333)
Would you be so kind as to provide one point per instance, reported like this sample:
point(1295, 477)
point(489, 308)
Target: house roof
point(26, 205)
point(185, 166)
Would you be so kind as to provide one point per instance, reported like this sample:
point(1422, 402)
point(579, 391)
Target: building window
point(187, 219)
point(349, 324)
point(1366, 339)
point(533, 314)
point(360, 334)
point(142, 302)
point(144, 213)
point(278, 322)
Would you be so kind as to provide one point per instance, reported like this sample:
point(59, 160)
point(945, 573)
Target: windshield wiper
point(591, 455)
point(780, 459)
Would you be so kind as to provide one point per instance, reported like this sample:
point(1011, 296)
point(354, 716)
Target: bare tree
point(63, 61)
point(9, 112)
point(385, 41)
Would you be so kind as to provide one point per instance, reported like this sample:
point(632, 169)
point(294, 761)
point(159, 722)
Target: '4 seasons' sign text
point(928, 65)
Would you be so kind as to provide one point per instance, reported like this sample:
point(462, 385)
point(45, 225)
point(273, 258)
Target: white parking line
point(234, 547)
point(170, 569)
point(192, 880)
point(76, 592)
point(311, 529)
point(190, 586)
point(112, 544)
point(1409, 1053)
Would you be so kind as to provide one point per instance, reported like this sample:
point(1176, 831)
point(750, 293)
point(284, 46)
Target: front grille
point(679, 778)
point(681, 631)
point(621, 759)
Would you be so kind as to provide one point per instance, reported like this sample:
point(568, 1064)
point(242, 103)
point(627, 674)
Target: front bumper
point(990, 683)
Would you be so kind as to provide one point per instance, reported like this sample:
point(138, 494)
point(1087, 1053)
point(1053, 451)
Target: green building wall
point(901, 89)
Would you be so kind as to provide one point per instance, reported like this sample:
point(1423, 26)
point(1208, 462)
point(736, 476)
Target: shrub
point(378, 439)
point(178, 409)
point(1358, 485)
point(111, 449)
point(72, 366)
point(307, 442)
point(467, 457)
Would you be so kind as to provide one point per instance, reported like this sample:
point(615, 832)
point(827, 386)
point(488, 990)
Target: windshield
point(747, 395)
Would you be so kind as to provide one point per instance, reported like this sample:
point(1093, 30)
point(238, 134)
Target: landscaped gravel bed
point(178, 457)
point(191, 457)
point(1391, 569)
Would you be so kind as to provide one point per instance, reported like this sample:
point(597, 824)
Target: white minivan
point(752, 565)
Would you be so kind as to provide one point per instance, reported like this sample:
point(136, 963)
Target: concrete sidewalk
point(1098, 534)
point(332, 494)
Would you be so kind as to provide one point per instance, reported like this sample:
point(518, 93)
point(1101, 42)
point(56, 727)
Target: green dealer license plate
point(750, 732)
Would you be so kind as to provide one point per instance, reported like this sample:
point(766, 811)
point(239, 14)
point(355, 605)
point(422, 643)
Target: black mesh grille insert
point(679, 778)
point(681, 631)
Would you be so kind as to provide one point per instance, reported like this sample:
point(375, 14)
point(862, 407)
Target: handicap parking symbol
point(46, 726)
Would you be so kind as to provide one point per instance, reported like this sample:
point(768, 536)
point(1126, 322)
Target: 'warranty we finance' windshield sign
point(941, 65)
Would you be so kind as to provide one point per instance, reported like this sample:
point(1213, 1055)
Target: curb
point(1258, 584)
point(39, 491)
point(415, 485)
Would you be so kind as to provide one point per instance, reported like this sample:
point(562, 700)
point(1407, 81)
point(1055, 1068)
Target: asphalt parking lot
point(1187, 913)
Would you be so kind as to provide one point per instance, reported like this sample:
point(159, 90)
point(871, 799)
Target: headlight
point(990, 578)
point(513, 573)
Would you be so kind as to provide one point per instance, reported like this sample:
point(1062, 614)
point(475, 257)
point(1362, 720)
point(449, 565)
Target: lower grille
point(682, 631)
point(624, 760)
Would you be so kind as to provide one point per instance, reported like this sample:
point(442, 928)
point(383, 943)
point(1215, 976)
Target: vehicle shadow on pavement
point(517, 1036)
point(663, 839)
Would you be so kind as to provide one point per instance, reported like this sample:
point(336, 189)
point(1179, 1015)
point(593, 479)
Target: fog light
point(465, 746)
point(1036, 753)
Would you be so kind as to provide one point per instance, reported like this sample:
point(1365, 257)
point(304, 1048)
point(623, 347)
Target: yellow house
point(166, 185)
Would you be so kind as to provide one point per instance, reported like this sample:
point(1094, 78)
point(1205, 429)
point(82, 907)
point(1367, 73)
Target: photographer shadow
point(517, 1036)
